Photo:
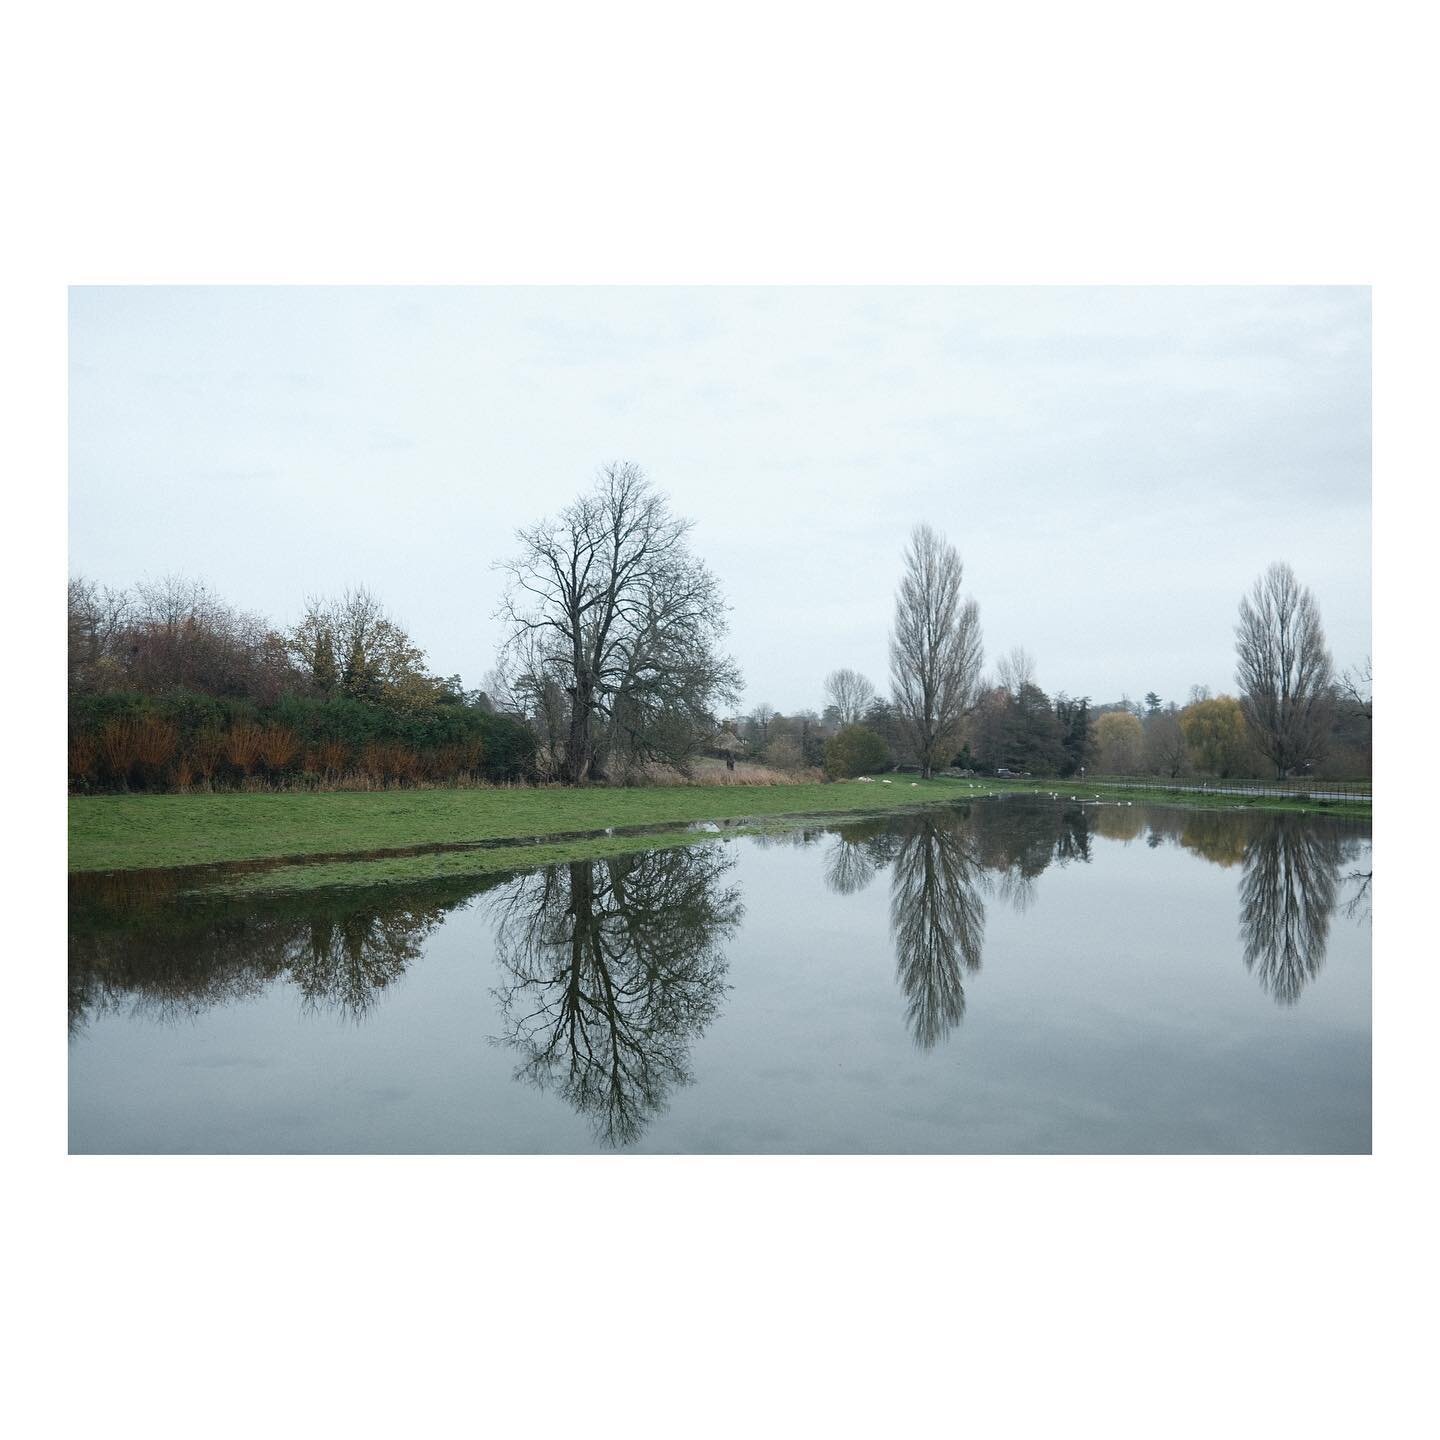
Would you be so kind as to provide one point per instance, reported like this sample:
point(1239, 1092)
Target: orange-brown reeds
point(143, 748)
point(329, 759)
point(277, 747)
point(385, 762)
point(119, 745)
point(158, 742)
point(82, 756)
point(451, 761)
point(207, 750)
point(242, 747)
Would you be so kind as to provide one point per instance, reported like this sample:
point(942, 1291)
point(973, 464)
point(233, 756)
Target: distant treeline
point(1014, 725)
point(172, 689)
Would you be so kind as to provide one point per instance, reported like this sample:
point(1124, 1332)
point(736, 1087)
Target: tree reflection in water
point(1287, 896)
point(937, 919)
point(1357, 903)
point(1290, 884)
point(945, 863)
point(615, 968)
point(138, 944)
point(857, 852)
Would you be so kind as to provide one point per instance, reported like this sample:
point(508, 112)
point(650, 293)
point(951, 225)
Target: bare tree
point(935, 648)
point(760, 718)
point(525, 683)
point(175, 633)
point(1016, 670)
point(615, 610)
point(1284, 670)
point(850, 693)
point(96, 616)
point(1356, 687)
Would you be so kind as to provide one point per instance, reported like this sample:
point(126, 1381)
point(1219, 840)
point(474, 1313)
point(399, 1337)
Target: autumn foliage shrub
point(130, 741)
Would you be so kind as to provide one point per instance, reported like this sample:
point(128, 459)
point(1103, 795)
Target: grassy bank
point(127, 832)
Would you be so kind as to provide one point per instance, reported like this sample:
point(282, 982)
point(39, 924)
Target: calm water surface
point(1011, 975)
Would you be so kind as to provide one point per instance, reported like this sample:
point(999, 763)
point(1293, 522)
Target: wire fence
point(1307, 787)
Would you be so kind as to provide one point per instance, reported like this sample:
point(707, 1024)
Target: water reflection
point(857, 852)
point(937, 920)
point(1290, 884)
point(943, 864)
point(609, 971)
point(614, 968)
point(1287, 896)
point(136, 945)
point(1357, 903)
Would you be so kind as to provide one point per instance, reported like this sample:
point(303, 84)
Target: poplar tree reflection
point(1287, 896)
point(945, 863)
point(937, 919)
point(615, 969)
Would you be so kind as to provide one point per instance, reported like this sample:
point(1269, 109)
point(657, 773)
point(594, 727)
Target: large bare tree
point(935, 649)
point(850, 693)
point(1284, 670)
point(608, 603)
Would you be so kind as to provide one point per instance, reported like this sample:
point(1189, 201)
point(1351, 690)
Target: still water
point(1007, 976)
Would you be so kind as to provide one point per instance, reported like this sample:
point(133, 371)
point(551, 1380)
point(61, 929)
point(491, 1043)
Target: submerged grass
point(310, 875)
point(130, 832)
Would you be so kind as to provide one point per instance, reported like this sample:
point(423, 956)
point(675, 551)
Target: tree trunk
point(580, 746)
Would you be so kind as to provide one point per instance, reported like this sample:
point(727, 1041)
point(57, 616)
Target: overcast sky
point(1115, 466)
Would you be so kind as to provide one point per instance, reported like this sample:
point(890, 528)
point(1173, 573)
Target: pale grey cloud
point(1115, 465)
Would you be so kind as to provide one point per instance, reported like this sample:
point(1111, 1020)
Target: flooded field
point(1007, 976)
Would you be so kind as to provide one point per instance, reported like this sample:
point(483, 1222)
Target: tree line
point(612, 668)
point(1292, 715)
point(171, 688)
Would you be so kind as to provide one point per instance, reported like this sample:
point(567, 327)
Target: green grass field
point(128, 832)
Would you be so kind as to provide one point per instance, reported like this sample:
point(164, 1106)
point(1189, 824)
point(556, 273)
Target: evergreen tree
point(322, 667)
point(1034, 733)
point(1074, 720)
point(358, 680)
